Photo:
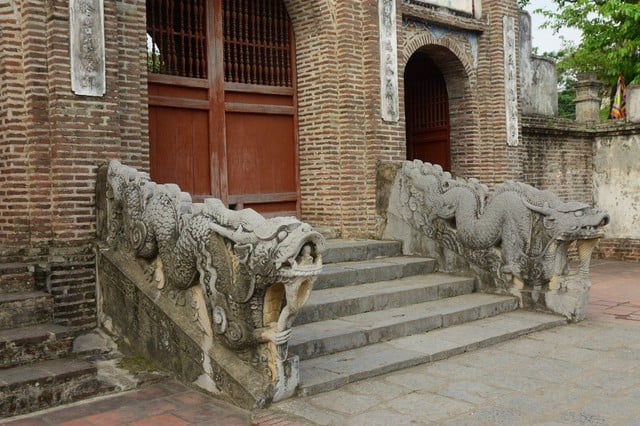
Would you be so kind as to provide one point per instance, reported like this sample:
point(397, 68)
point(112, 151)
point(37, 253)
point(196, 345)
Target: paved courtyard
point(581, 374)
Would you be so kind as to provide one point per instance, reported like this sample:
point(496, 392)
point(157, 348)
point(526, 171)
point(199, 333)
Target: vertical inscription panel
point(86, 31)
point(389, 103)
point(510, 80)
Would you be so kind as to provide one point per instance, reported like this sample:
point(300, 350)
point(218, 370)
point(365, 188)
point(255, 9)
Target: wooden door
point(427, 112)
point(222, 104)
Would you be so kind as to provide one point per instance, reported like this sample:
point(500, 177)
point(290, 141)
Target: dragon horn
point(544, 210)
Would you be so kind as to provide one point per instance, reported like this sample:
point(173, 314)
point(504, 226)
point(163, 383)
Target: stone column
point(587, 98)
point(633, 103)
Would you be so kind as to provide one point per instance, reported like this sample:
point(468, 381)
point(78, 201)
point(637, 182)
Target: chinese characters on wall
point(510, 80)
point(86, 27)
point(389, 102)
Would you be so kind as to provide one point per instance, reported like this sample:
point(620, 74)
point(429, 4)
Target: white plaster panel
point(616, 183)
point(465, 6)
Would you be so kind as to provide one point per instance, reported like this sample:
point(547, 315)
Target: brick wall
point(318, 110)
point(341, 133)
point(53, 142)
point(15, 161)
point(619, 249)
point(558, 155)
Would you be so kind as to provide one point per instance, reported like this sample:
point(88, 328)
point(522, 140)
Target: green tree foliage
point(610, 36)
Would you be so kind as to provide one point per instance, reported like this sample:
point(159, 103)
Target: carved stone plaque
point(510, 80)
point(466, 6)
point(389, 103)
point(86, 30)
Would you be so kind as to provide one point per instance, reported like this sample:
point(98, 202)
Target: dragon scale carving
point(254, 273)
point(518, 235)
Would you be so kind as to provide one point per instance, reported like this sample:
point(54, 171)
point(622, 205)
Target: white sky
point(544, 39)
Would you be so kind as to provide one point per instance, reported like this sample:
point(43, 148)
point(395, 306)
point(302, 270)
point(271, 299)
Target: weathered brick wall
point(19, 165)
point(558, 155)
point(318, 110)
point(57, 141)
point(494, 161)
point(619, 249)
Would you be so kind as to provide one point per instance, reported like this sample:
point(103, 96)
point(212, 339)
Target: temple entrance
point(222, 104)
point(427, 112)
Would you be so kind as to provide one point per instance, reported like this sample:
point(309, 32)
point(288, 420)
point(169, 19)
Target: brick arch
point(459, 73)
point(424, 40)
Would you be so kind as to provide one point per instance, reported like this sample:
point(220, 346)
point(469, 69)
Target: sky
point(545, 39)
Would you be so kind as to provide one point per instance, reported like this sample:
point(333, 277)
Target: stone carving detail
point(440, 33)
point(517, 235)
point(254, 274)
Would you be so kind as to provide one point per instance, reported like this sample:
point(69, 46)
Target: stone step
point(333, 371)
point(367, 271)
point(338, 250)
point(344, 301)
point(16, 277)
point(25, 308)
point(331, 336)
point(28, 344)
point(47, 384)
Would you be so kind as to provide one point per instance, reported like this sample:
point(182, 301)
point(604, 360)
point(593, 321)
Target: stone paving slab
point(168, 403)
point(615, 294)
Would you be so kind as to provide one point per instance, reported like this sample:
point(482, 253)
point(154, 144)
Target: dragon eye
point(578, 213)
point(282, 235)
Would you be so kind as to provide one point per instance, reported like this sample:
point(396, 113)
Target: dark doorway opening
point(427, 112)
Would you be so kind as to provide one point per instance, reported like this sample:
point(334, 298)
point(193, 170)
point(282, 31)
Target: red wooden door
point(427, 112)
point(222, 105)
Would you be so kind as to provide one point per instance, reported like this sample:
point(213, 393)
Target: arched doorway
point(427, 112)
point(222, 101)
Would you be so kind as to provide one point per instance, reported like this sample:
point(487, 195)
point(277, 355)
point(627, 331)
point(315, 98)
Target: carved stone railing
point(207, 292)
point(515, 239)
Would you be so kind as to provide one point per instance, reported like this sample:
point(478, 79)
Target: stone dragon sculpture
point(255, 273)
point(518, 235)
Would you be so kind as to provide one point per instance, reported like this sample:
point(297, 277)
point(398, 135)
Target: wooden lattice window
point(256, 42)
point(177, 37)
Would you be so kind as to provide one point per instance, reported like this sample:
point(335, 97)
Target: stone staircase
point(373, 311)
point(38, 368)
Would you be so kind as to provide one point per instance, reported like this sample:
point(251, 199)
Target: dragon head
point(282, 248)
point(572, 221)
